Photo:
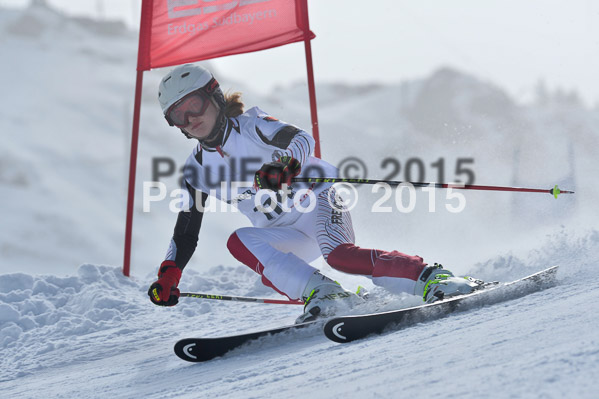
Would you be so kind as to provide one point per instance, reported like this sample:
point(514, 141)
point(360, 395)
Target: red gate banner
point(175, 32)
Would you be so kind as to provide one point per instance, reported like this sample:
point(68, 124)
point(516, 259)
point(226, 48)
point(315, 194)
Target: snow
point(94, 335)
point(72, 325)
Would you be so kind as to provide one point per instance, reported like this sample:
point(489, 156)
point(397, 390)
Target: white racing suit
point(290, 232)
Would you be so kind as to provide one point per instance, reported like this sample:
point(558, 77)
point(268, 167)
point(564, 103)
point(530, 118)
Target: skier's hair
point(233, 104)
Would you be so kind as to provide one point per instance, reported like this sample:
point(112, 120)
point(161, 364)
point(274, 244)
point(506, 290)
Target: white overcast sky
point(512, 43)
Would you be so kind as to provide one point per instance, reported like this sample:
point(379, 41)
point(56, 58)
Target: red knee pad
point(352, 259)
point(349, 258)
point(397, 264)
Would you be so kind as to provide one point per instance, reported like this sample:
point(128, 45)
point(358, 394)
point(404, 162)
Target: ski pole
point(555, 191)
point(240, 298)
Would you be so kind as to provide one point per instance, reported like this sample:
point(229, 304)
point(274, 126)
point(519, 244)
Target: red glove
point(164, 291)
point(271, 176)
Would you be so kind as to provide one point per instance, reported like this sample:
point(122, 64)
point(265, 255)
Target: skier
point(292, 227)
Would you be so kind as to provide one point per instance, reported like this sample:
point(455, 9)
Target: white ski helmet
point(185, 79)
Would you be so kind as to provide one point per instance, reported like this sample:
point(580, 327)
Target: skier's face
point(201, 126)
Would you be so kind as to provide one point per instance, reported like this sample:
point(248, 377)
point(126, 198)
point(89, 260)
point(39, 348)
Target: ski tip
point(550, 270)
point(553, 269)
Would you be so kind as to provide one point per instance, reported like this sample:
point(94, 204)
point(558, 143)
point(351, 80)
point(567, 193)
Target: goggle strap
point(169, 120)
point(211, 87)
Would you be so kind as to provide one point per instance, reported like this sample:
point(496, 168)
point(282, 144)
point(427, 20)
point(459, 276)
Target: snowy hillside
point(93, 335)
point(71, 325)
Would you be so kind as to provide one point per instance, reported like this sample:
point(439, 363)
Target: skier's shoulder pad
point(248, 119)
point(267, 128)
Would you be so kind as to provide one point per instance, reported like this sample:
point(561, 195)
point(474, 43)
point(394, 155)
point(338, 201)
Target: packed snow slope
point(71, 325)
point(93, 335)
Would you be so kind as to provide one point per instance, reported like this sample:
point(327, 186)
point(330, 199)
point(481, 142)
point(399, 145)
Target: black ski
point(349, 328)
point(203, 349)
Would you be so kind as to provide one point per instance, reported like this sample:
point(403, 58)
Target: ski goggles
point(193, 104)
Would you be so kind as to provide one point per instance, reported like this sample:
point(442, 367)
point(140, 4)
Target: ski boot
point(324, 297)
point(436, 283)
